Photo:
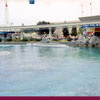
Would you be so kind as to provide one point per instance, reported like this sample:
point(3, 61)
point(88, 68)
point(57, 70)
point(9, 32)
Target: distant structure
point(31, 1)
point(91, 7)
point(82, 9)
point(6, 14)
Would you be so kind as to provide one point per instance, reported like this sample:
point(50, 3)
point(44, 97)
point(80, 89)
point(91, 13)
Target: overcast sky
point(20, 11)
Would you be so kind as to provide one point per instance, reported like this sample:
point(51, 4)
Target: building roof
point(90, 18)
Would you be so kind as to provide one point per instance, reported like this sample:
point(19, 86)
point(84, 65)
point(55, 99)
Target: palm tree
point(65, 32)
point(74, 32)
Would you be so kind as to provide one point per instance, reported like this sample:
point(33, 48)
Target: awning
point(6, 32)
point(90, 26)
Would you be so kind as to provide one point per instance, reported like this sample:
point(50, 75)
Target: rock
point(85, 41)
point(94, 40)
point(82, 40)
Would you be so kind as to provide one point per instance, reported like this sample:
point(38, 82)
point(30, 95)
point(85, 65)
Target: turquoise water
point(43, 71)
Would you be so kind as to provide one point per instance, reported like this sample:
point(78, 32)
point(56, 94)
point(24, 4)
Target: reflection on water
point(43, 71)
point(52, 52)
point(90, 52)
point(4, 53)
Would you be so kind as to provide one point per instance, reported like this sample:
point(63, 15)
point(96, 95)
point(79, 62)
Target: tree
point(65, 32)
point(53, 29)
point(43, 30)
point(43, 23)
point(74, 32)
point(23, 24)
point(80, 30)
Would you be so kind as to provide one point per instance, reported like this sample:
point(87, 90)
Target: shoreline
point(74, 44)
point(12, 43)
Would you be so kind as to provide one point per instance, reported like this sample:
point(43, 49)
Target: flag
point(6, 5)
point(31, 1)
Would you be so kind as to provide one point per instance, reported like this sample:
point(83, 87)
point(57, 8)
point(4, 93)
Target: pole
point(82, 9)
point(50, 34)
point(6, 12)
point(91, 7)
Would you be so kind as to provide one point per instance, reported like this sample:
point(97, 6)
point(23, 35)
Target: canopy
point(90, 26)
point(6, 32)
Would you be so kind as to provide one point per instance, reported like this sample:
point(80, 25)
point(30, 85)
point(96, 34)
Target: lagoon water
point(26, 70)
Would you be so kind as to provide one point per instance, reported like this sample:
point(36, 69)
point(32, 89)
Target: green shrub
point(38, 39)
point(0, 39)
point(69, 39)
point(32, 39)
point(9, 39)
point(80, 31)
point(25, 39)
point(55, 39)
